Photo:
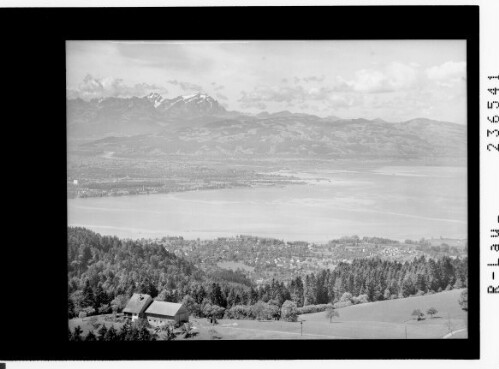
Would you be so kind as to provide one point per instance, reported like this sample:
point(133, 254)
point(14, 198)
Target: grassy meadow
point(376, 320)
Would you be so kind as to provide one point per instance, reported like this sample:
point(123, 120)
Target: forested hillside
point(103, 272)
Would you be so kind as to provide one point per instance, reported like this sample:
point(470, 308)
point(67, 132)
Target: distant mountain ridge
point(198, 124)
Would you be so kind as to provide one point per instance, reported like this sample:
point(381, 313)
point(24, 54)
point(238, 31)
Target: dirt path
point(453, 332)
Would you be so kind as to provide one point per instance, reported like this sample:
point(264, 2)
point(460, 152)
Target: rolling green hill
point(399, 310)
point(390, 319)
point(378, 320)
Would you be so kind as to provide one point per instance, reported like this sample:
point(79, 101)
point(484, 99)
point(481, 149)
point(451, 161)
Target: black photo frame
point(35, 51)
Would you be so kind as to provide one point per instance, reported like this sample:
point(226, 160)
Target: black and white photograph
point(267, 189)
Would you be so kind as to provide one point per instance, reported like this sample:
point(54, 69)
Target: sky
point(392, 80)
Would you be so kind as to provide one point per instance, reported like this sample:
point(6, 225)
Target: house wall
point(183, 316)
point(134, 317)
point(157, 320)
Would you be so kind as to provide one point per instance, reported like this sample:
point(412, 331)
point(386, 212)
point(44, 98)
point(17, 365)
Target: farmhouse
point(161, 312)
point(137, 305)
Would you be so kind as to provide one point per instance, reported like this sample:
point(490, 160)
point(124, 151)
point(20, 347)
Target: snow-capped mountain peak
point(199, 96)
point(188, 97)
point(196, 104)
point(155, 98)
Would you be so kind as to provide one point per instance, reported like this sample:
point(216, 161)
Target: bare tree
point(331, 313)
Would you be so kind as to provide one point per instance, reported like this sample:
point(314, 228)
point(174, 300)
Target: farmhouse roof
point(137, 303)
point(164, 308)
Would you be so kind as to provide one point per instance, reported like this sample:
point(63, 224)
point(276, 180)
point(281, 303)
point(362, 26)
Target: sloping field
point(378, 320)
point(391, 319)
point(398, 311)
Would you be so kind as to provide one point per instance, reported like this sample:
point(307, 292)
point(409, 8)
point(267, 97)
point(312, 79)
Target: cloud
point(92, 87)
point(217, 86)
point(448, 73)
point(165, 56)
point(186, 86)
point(255, 105)
point(314, 78)
point(292, 95)
point(394, 77)
point(339, 101)
point(319, 93)
point(221, 97)
point(272, 93)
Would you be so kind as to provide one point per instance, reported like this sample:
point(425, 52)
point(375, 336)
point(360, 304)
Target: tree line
point(128, 332)
point(103, 272)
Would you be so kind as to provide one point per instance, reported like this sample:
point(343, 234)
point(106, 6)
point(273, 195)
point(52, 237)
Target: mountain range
point(199, 125)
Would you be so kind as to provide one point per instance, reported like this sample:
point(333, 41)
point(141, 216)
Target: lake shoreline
point(413, 203)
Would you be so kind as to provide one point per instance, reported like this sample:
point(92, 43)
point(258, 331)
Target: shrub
point(331, 313)
point(104, 309)
point(342, 304)
point(89, 311)
point(119, 302)
point(347, 296)
point(264, 311)
point(212, 311)
point(217, 311)
point(463, 300)
point(186, 330)
point(418, 313)
point(239, 312)
point(313, 308)
point(361, 299)
point(141, 323)
point(191, 305)
point(168, 333)
point(431, 311)
point(289, 311)
point(94, 322)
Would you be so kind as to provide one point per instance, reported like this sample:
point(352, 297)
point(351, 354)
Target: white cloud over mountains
point(393, 80)
point(186, 86)
point(290, 95)
point(92, 87)
point(369, 91)
point(336, 93)
point(394, 77)
point(448, 73)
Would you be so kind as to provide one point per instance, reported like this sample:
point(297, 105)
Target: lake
point(393, 202)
